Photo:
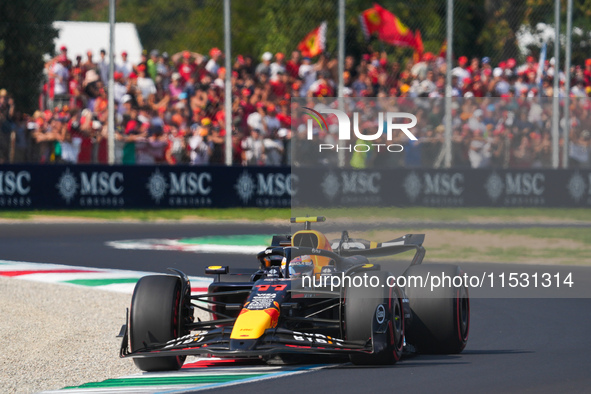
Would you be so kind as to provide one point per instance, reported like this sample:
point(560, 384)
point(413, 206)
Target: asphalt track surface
point(515, 345)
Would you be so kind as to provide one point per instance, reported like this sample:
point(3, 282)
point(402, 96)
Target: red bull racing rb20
point(293, 306)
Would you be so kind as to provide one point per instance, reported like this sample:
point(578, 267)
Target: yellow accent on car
point(251, 324)
point(373, 244)
point(367, 266)
point(304, 219)
point(313, 239)
point(214, 267)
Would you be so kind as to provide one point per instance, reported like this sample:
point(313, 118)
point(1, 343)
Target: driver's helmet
point(301, 266)
point(271, 260)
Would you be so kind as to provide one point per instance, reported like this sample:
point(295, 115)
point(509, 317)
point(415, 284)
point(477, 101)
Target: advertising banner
point(444, 188)
point(149, 187)
point(154, 187)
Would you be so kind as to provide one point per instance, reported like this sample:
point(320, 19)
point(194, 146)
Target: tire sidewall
point(154, 318)
point(440, 316)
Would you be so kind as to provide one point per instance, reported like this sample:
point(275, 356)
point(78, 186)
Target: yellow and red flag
point(370, 22)
point(314, 43)
point(387, 26)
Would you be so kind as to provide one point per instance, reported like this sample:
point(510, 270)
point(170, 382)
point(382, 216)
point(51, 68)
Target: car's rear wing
point(352, 246)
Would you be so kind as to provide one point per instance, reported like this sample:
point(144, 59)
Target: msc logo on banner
point(15, 188)
point(579, 190)
point(93, 188)
point(187, 188)
point(518, 188)
point(352, 187)
point(268, 190)
point(436, 188)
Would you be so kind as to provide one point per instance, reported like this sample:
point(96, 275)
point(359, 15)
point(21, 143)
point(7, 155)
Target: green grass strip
point(447, 214)
point(101, 282)
point(221, 214)
point(161, 381)
point(240, 240)
point(283, 214)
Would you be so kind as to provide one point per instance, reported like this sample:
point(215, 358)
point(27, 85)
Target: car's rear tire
point(359, 309)
point(154, 318)
point(440, 317)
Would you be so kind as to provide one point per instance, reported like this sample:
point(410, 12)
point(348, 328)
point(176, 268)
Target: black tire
point(440, 318)
point(154, 319)
point(359, 309)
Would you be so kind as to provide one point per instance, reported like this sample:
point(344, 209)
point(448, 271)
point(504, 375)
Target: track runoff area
point(196, 374)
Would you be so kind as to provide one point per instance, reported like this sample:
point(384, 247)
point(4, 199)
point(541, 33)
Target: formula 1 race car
point(309, 296)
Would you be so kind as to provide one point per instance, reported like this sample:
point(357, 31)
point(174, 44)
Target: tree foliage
point(26, 34)
point(481, 27)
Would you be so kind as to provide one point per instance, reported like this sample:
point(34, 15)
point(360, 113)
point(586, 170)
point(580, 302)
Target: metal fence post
point(569, 32)
point(228, 82)
point(111, 89)
point(555, 90)
point(341, 67)
point(448, 88)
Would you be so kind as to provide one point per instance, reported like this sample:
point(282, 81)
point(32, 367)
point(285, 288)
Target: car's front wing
point(218, 343)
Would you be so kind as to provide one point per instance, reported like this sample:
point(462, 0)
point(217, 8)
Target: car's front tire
point(154, 318)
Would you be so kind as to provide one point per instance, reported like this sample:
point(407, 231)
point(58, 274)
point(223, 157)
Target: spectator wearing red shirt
point(510, 67)
point(185, 65)
point(237, 152)
point(77, 98)
point(283, 115)
point(293, 64)
point(280, 85)
point(587, 72)
point(474, 66)
point(322, 87)
point(530, 66)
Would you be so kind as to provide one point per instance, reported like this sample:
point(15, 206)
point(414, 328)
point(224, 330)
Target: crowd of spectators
point(170, 109)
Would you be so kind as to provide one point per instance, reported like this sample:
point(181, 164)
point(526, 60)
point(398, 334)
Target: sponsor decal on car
point(317, 338)
point(380, 314)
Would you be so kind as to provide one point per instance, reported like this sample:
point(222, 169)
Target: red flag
point(419, 48)
point(392, 30)
point(388, 27)
point(314, 43)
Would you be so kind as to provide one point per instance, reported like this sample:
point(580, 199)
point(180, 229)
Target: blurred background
point(170, 76)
